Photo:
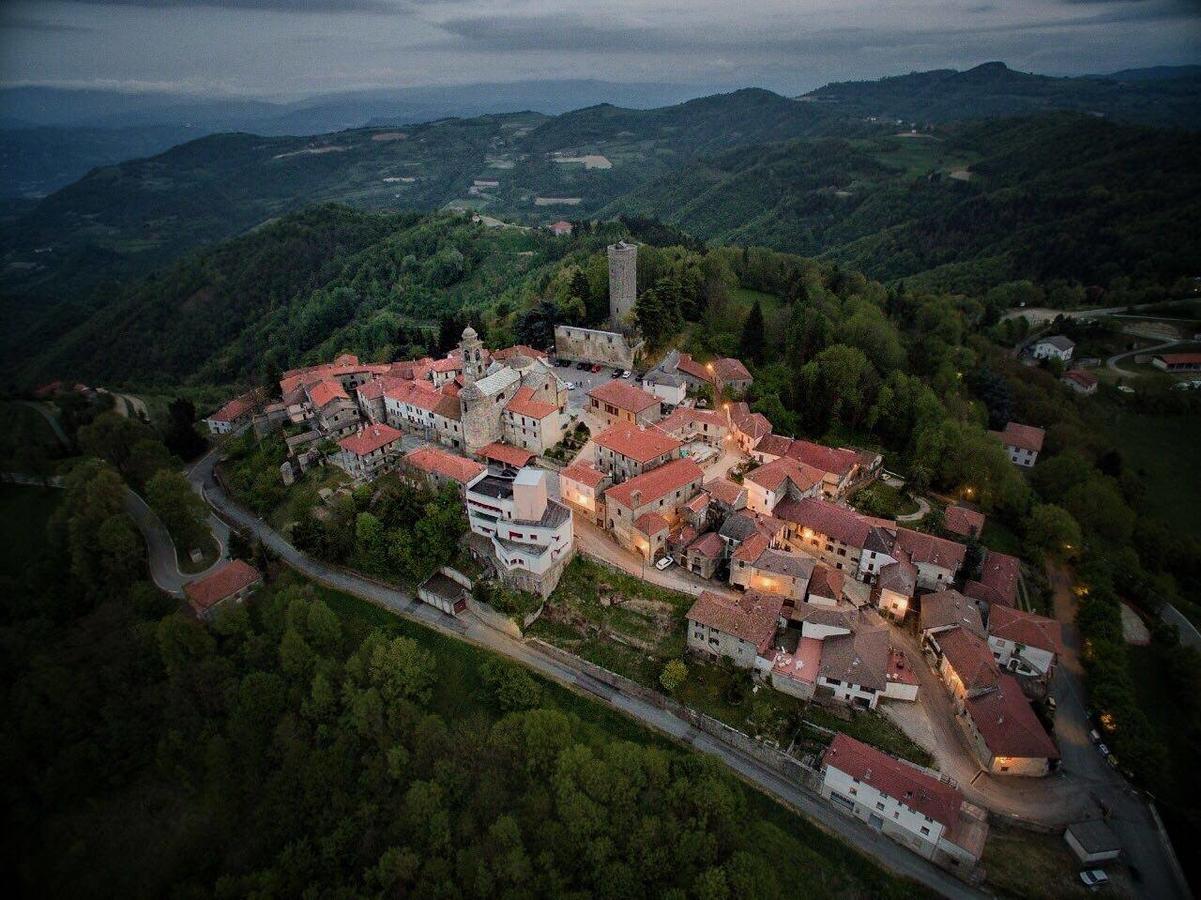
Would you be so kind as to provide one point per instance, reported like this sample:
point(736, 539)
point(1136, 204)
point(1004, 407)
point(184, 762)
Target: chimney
point(635, 498)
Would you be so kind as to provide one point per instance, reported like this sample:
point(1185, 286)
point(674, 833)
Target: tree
point(511, 686)
point(181, 508)
point(112, 437)
point(1052, 529)
point(146, 458)
point(673, 676)
point(753, 340)
point(181, 436)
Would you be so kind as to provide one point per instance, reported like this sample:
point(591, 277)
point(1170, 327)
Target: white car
point(665, 563)
point(1094, 878)
point(571, 385)
point(626, 373)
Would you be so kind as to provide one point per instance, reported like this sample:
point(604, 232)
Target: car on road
point(1104, 750)
point(626, 373)
point(1094, 878)
point(665, 563)
point(571, 385)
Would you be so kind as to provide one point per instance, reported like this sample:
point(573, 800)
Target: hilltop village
point(670, 475)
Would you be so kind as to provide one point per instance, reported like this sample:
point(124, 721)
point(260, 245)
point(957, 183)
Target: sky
point(283, 49)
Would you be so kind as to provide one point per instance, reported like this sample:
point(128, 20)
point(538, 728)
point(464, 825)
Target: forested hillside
point(1164, 96)
point(1054, 197)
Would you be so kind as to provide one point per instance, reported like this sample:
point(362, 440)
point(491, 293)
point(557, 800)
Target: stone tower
point(623, 280)
point(472, 349)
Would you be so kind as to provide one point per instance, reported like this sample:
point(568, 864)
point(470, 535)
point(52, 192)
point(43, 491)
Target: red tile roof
point(686, 416)
point(752, 548)
point(709, 544)
point(774, 445)
point(1024, 437)
point(723, 490)
point(506, 453)
point(656, 483)
point(1025, 628)
point(326, 391)
point(1000, 572)
point(837, 522)
point(525, 404)
point(651, 524)
point(752, 617)
point(826, 582)
point(1008, 724)
point(698, 504)
point(835, 460)
point(971, 658)
point(368, 440)
point(899, 780)
point(624, 396)
point(236, 408)
point(771, 476)
point(730, 369)
point(637, 443)
point(421, 394)
point(950, 609)
point(1084, 379)
point(518, 350)
point(584, 474)
point(690, 366)
point(961, 520)
point(935, 551)
point(1181, 359)
point(439, 462)
point(207, 592)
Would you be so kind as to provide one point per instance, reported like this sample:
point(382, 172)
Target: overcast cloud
point(287, 48)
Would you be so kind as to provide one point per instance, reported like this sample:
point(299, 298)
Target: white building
point(532, 536)
point(911, 805)
point(1022, 443)
point(1057, 347)
point(1023, 642)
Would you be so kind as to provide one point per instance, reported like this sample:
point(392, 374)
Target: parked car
point(571, 385)
point(597, 368)
point(1104, 750)
point(1094, 878)
point(626, 374)
point(617, 373)
point(1095, 736)
point(665, 563)
point(581, 366)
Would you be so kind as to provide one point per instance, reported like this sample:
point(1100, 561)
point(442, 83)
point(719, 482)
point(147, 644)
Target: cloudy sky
point(287, 48)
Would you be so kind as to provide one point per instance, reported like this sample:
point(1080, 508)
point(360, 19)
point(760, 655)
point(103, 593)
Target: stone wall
point(606, 348)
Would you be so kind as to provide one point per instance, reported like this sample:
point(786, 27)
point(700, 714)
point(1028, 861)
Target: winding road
point(1112, 362)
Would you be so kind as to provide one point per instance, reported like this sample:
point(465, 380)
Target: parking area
point(584, 381)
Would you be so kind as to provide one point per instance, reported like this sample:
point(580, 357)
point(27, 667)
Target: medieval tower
point(623, 280)
point(472, 349)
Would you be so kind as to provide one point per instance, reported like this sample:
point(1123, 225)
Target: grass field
point(1039, 867)
point(1164, 450)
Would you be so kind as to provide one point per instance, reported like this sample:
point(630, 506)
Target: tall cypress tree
point(754, 337)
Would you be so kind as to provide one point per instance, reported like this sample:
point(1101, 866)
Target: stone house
point(625, 450)
point(615, 402)
point(228, 586)
point(369, 452)
point(1005, 733)
point(782, 479)
point(756, 566)
point(582, 487)
point(741, 629)
point(434, 467)
point(1023, 642)
point(660, 492)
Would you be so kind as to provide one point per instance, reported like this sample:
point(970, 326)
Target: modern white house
point(913, 806)
point(1022, 443)
point(1056, 347)
point(532, 536)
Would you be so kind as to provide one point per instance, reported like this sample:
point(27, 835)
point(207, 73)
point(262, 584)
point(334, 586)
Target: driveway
point(923, 507)
point(1112, 362)
point(858, 834)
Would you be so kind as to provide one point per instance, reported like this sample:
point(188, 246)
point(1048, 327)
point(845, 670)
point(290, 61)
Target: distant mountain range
point(1163, 95)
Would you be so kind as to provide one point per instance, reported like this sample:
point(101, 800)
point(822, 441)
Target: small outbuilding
point(1092, 841)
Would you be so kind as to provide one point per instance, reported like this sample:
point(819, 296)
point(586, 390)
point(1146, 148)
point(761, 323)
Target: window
point(880, 806)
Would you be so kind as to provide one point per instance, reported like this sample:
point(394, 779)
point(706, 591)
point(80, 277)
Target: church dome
point(469, 334)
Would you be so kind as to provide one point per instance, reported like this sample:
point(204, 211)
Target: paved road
point(923, 507)
point(1112, 362)
point(1146, 849)
point(1037, 315)
point(885, 851)
point(1189, 636)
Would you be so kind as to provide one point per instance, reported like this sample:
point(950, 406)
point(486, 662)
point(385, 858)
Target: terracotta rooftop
point(754, 425)
point(326, 391)
point(1083, 378)
point(948, 609)
point(962, 520)
point(685, 416)
point(774, 445)
point(637, 443)
point(935, 551)
point(708, 544)
point(861, 657)
point(207, 592)
point(825, 518)
point(1008, 724)
point(421, 394)
point(971, 658)
point(1180, 359)
point(835, 460)
point(1000, 572)
point(900, 577)
point(584, 474)
point(1025, 628)
point(730, 369)
point(727, 492)
point(519, 350)
point(624, 396)
point(698, 504)
point(802, 665)
point(657, 483)
point(826, 582)
point(525, 404)
point(506, 454)
point(235, 408)
point(899, 780)
point(368, 440)
point(652, 523)
point(773, 475)
point(752, 617)
point(439, 462)
point(1024, 437)
point(690, 366)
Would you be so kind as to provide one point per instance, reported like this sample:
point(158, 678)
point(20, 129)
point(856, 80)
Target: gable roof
point(835, 460)
point(326, 391)
point(906, 783)
point(837, 522)
point(651, 524)
point(774, 445)
point(1025, 628)
point(584, 474)
point(656, 483)
point(935, 551)
point(1058, 341)
point(773, 475)
point(826, 582)
point(950, 609)
point(235, 408)
point(1084, 379)
point(1008, 724)
point(438, 462)
point(861, 657)
point(900, 577)
point(624, 396)
point(690, 366)
point(727, 492)
point(971, 658)
point(637, 443)
point(753, 617)
point(506, 453)
point(729, 369)
point(962, 520)
point(205, 593)
point(368, 440)
point(524, 403)
point(1024, 437)
point(1000, 573)
point(708, 544)
point(684, 416)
